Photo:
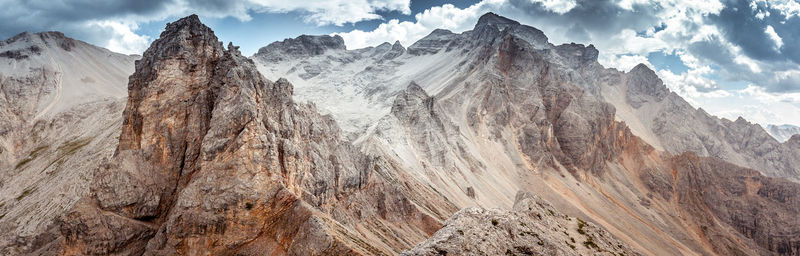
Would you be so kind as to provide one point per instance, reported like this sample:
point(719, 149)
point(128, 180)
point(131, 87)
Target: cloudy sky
point(732, 58)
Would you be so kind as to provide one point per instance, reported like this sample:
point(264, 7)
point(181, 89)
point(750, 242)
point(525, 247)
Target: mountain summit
point(491, 19)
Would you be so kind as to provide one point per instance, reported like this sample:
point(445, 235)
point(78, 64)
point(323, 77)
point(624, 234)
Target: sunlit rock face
point(215, 159)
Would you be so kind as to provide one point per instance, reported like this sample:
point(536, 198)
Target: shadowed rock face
point(215, 159)
point(721, 197)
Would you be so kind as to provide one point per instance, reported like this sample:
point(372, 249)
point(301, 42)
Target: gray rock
point(532, 227)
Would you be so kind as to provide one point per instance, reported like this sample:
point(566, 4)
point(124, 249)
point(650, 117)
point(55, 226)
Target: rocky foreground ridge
point(214, 159)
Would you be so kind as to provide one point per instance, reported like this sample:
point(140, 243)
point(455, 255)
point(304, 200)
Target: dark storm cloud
point(68, 16)
point(739, 24)
point(597, 17)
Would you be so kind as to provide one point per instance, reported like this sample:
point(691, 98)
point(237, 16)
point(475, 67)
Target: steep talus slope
point(215, 159)
point(60, 106)
point(511, 112)
point(46, 73)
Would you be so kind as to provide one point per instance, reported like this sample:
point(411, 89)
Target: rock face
point(532, 227)
point(761, 209)
point(215, 159)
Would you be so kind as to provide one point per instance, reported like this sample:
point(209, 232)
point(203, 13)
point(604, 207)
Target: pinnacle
point(190, 23)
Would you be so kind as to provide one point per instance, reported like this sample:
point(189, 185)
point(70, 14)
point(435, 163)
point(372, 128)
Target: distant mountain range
point(493, 141)
point(784, 132)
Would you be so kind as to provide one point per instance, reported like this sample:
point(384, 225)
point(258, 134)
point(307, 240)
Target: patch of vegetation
point(25, 193)
point(73, 146)
point(494, 222)
point(581, 224)
point(551, 212)
point(249, 206)
point(589, 243)
point(572, 239)
point(33, 155)
point(570, 245)
point(523, 250)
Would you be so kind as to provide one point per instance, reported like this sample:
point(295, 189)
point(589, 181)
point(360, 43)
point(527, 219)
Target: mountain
point(215, 159)
point(498, 109)
point(489, 141)
point(783, 132)
point(61, 102)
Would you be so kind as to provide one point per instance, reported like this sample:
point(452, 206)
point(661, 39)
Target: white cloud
point(445, 17)
point(692, 84)
point(774, 36)
point(788, 8)
point(623, 62)
point(557, 6)
point(123, 39)
point(337, 12)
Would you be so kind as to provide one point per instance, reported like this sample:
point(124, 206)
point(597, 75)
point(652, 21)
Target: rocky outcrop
point(532, 227)
point(215, 159)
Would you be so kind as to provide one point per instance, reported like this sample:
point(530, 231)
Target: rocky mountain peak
point(397, 45)
point(491, 26)
point(410, 99)
point(32, 43)
point(578, 54)
point(304, 45)
point(492, 19)
point(644, 85)
point(643, 70)
point(437, 40)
